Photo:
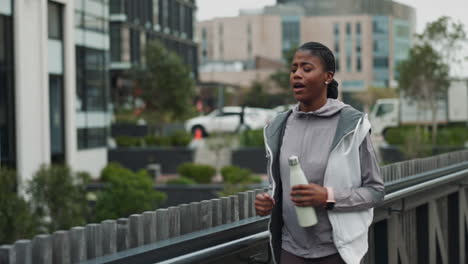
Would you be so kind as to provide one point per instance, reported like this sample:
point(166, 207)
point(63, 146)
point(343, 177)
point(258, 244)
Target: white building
point(53, 84)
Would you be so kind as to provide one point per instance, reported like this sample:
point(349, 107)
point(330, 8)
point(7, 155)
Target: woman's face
point(308, 77)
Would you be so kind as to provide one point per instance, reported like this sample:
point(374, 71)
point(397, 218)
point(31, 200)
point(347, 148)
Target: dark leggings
point(288, 258)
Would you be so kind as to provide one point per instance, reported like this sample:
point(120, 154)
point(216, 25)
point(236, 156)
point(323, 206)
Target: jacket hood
point(332, 107)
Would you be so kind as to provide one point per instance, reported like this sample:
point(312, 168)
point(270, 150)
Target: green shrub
point(16, 218)
point(161, 141)
point(181, 180)
point(127, 141)
point(198, 172)
point(180, 138)
point(252, 138)
point(59, 194)
point(451, 135)
point(236, 180)
point(127, 193)
point(234, 175)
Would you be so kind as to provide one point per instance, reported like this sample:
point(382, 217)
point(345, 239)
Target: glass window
point(116, 41)
point(381, 62)
point(348, 63)
point(384, 109)
point(358, 64)
point(336, 29)
point(116, 6)
point(54, 20)
point(348, 28)
point(337, 64)
point(358, 28)
point(56, 111)
point(155, 12)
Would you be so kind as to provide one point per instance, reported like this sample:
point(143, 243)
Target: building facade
point(48, 113)
point(133, 24)
point(368, 40)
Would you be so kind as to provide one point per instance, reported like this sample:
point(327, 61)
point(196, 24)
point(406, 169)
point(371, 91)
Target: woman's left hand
point(309, 195)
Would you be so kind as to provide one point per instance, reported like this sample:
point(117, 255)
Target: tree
point(16, 218)
point(126, 193)
point(425, 77)
point(281, 76)
point(58, 197)
point(448, 38)
point(425, 74)
point(166, 86)
point(371, 94)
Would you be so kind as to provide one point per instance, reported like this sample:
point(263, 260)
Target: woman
point(334, 148)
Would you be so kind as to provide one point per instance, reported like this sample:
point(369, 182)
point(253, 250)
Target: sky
point(426, 10)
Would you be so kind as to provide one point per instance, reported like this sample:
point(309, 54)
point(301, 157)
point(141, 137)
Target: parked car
point(228, 120)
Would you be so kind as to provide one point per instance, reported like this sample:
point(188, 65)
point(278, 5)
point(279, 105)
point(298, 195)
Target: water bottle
point(305, 214)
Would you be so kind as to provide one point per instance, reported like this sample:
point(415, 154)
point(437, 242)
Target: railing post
point(136, 230)
point(77, 244)
point(23, 251)
point(206, 219)
point(149, 226)
point(61, 247)
point(7, 254)
point(185, 223)
point(243, 205)
point(42, 249)
point(174, 221)
point(216, 212)
point(162, 220)
point(93, 241)
point(109, 237)
point(122, 234)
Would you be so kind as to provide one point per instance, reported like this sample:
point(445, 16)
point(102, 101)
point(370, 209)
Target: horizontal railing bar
point(220, 250)
point(406, 182)
point(425, 185)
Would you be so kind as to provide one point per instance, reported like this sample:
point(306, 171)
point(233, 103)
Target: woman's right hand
point(263, 204)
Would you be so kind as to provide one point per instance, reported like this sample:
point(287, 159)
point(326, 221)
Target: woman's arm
point(372, 190)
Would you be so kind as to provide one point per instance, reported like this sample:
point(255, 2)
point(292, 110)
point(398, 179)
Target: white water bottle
point(305, 214)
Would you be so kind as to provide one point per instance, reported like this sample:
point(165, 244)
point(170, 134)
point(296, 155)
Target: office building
point(133, 24)
point(368, 40)
point(53, 88)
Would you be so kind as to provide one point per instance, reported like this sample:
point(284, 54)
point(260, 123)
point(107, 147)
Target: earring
point(326, 83)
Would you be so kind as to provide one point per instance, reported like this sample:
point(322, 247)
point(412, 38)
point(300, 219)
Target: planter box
point(252, 158)
point(139, 158)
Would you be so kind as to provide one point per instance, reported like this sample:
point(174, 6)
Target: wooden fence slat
point(122, 234)
point(135, 222)
point(225, 210)
point(149, 225)
point(216, 212)
point(77, 244)
point(185, 225)
point(206, 215)
point(174, 221)
point(93, 241)
point(7, 254)
point(23, 251)
point(234, 200)
point(162, 219)
point(251, 197)
point(42, 249)
point(243, 205)
point(61, 247)
point(109, 237)
point(195, 213)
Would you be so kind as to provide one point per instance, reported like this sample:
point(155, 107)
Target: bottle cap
point(293, 160)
